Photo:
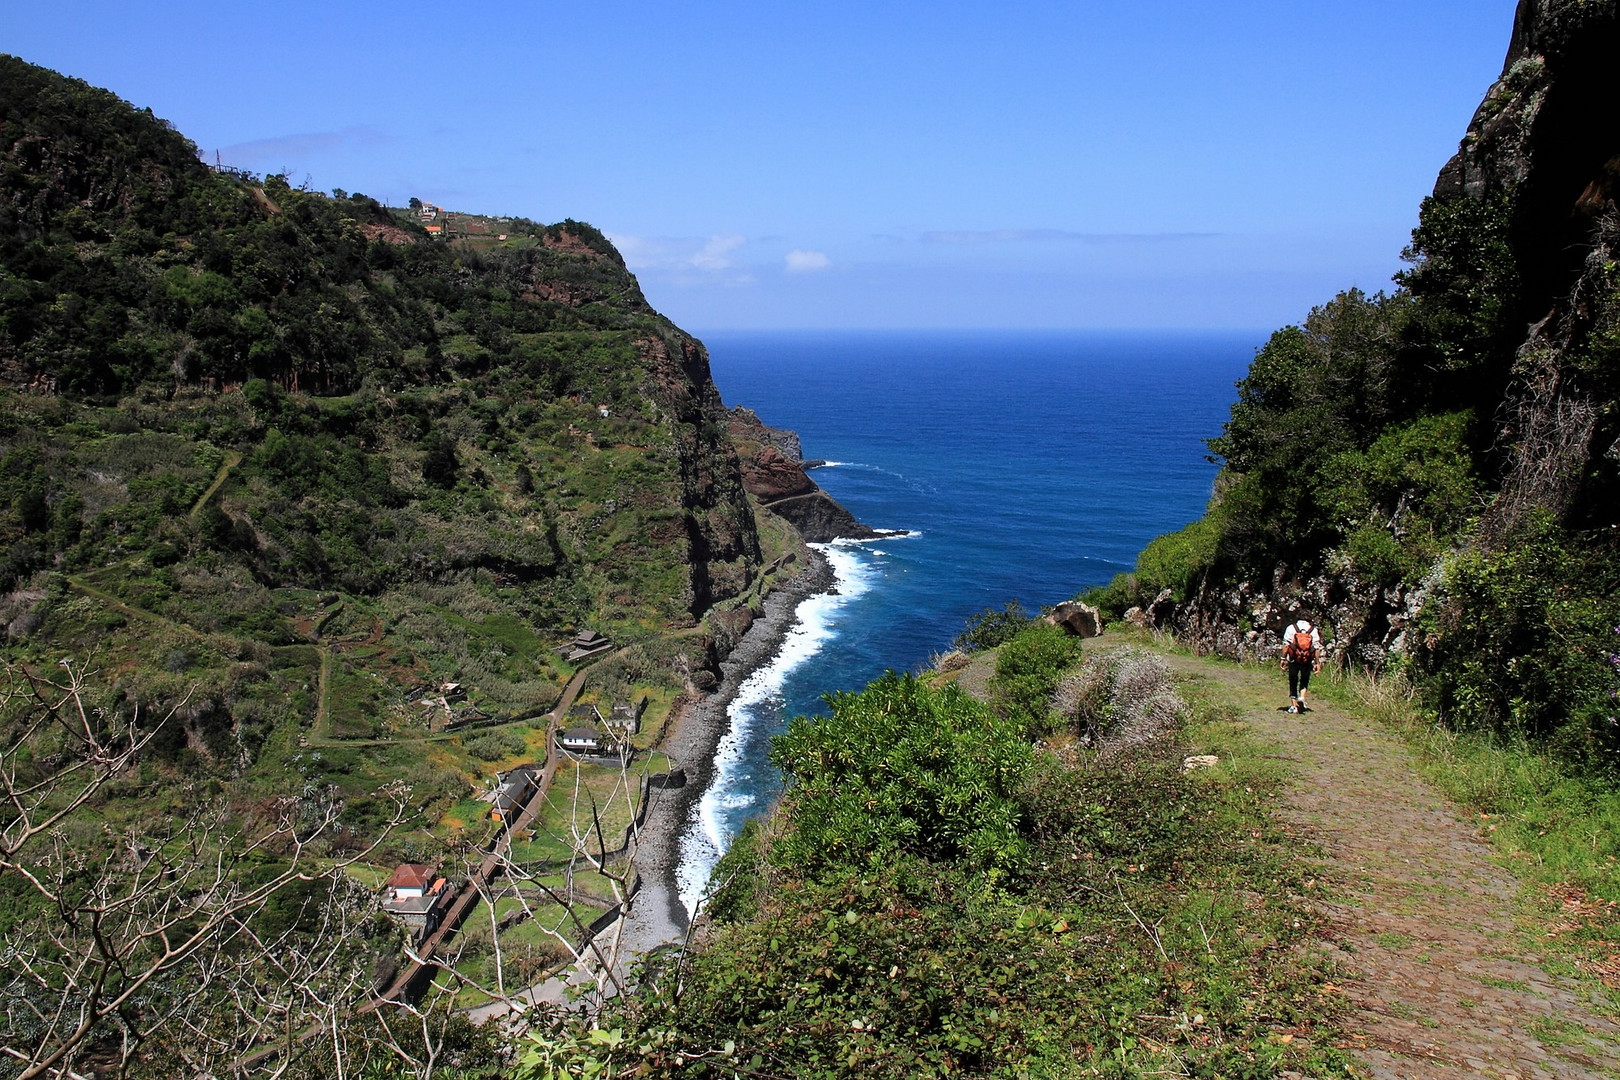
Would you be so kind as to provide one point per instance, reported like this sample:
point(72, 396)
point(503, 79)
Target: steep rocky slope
point(775, 473)
point(1434, 473)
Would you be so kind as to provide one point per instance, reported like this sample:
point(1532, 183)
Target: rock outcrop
point(1544, 143)
point(1076, 619)
point(773, 471)
point(1362, 624)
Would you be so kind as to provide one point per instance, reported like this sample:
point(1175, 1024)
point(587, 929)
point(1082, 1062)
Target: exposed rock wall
point(1362, 624)
point(1546, 140)
point(1545, 143)
point(773, 471)
point(723, 543)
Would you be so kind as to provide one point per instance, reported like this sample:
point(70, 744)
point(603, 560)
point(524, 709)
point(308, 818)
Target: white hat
point(1303, 624)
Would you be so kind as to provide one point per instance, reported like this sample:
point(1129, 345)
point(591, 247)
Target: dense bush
point(1518, 642)
point(1028, 668)
point(901, 767)
point(992, 627)
point(495, 745)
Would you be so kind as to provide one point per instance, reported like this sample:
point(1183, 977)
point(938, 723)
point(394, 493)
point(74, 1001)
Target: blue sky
point(1169, 164)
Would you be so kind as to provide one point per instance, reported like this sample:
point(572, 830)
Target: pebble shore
point(657, 916)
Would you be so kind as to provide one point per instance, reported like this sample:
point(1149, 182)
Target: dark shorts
point(1299, 676)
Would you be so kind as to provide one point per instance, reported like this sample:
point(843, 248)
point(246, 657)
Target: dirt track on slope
point(1443, 985)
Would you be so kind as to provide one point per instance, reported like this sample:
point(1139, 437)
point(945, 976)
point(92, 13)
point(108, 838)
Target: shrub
point(1176, 561)
point(991, 628)
point(1115, 598)
point(901, 767)
point(1027, 672)
point(494, 745)
point(1517, 642)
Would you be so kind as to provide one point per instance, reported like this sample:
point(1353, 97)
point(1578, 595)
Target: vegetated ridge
point(1434, 473)
point(301, 462)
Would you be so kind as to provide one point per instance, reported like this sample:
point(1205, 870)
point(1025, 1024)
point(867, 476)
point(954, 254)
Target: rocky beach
point(657, 917)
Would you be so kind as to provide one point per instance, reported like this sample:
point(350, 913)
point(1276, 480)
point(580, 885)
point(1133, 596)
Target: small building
point(418, 897)
point(586, 643)
point(512, 793)
point(627, 717)
point(586, 741)
point(586, 715)
point(409, 881)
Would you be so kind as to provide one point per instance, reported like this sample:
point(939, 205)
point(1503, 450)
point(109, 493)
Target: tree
point(439, 462)
point(173, 943)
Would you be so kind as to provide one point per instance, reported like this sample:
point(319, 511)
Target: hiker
point(1302, 654)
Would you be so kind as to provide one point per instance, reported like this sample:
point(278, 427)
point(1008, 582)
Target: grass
point(567, 818)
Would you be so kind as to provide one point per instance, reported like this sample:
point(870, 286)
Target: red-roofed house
point(410, 880)
point(417, 896)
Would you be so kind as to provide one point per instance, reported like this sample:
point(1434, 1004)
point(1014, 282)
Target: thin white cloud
point(716, 253)
point(640, 252)
point(276, 152)
point(806, 262)
point(712, 255)
point(1022, 236)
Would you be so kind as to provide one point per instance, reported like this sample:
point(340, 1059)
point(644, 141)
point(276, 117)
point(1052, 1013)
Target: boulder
point(1077, 619)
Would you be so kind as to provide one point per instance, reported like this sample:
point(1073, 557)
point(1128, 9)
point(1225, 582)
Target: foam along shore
point(733, 793)
point(659, 916)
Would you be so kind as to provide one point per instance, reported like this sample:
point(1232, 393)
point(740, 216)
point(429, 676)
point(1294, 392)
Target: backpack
point(1301, 645)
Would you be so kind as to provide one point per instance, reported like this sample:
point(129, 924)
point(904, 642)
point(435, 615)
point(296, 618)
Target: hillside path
point(1443, 986)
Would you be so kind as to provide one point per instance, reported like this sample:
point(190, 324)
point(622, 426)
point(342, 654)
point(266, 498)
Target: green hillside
point(289, 460)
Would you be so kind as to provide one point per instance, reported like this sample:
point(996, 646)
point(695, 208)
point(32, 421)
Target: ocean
point(1022, 466)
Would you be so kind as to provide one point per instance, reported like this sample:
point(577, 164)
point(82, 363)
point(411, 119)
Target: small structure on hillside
point(417, 896)
point(626, 718)
point(587, 741)
point(512, 792)
point(586, 643)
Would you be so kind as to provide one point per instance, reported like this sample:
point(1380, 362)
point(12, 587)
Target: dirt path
point(232, 460)
point(1443, 986)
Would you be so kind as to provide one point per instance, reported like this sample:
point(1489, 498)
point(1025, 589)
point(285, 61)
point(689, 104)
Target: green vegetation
point(1416, 443)
point(326, 492)
point(940, 894)
point(992, 627)
point(286, 454)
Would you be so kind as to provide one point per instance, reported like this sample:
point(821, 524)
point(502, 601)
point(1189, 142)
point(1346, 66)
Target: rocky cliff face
point(723, 542)
point(1543, 153)
point(1545, 141)
point(774, 473)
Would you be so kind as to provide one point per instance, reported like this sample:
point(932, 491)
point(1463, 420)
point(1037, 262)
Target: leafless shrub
point(155, 936)
point(1120, 702)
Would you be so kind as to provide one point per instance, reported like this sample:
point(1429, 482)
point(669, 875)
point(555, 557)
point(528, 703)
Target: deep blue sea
point(1025, 465)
